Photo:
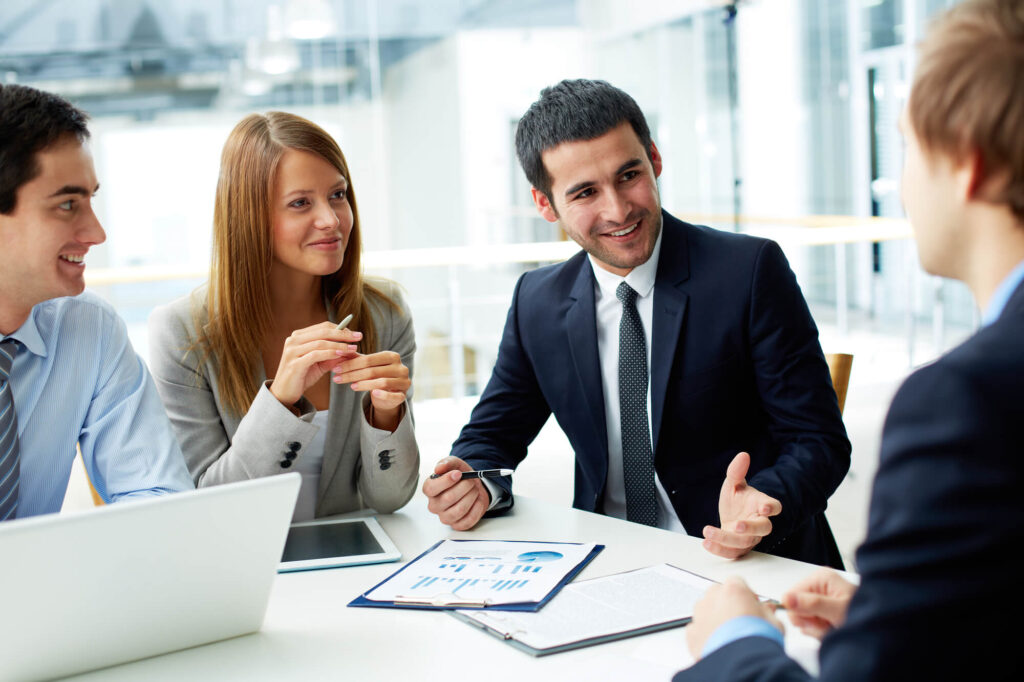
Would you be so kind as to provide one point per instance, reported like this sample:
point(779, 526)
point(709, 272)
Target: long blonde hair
point(238, 299)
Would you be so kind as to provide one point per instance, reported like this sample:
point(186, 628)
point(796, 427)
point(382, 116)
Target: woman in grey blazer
point(253, 369)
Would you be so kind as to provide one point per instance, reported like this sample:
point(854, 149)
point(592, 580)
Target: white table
point(310, 634)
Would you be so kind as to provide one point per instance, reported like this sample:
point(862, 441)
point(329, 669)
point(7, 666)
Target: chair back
point(839, 365)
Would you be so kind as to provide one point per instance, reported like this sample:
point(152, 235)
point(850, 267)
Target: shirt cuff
point(738, 628)
point(497, 494)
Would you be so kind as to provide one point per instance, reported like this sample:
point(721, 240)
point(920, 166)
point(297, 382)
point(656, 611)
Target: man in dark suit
point(940, 582)
point(737, 388)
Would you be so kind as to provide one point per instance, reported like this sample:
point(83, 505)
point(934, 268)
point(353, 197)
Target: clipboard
point(443, 601)
point(671, 612)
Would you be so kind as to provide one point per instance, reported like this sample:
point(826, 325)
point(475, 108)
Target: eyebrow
point(587, 183)
point(75, 189)
point(340, 183)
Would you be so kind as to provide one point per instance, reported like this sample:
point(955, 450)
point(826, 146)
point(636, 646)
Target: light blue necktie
point(9, 458)
point(637, 456)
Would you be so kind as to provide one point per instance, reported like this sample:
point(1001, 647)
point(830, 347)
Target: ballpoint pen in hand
point(483, 473)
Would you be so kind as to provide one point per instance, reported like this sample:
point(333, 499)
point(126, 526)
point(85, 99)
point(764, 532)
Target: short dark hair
point(569, 111)
point(30, 121)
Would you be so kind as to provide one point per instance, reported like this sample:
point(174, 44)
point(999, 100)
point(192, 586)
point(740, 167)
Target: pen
point(483, 473)
point(341, 325)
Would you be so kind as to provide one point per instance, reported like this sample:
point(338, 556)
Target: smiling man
point(674, 357)
point(68, 374)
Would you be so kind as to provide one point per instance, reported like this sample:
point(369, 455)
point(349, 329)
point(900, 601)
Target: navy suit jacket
point(941, 595)
point(736, 366)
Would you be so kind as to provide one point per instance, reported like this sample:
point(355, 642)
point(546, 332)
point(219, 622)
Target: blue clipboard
point(444, 605)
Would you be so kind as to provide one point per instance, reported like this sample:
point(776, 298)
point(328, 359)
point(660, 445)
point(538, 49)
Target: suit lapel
point(581, 322)
point(668, 314)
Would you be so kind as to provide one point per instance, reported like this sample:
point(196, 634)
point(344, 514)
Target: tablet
point(329, 543)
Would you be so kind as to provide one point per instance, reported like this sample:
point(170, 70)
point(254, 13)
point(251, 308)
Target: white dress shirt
point(608, 311)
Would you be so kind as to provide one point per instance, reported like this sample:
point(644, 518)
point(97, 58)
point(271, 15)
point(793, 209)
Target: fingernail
point(358, 335)
point(353, 346)
point(741, 527)
point(355, 386)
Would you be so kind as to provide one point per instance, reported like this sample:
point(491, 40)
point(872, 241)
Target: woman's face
point(311, 214)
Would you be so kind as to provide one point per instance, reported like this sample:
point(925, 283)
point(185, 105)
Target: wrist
point(385, 419)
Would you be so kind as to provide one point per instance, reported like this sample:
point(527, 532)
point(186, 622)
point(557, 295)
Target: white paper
point(603, 606)
point(492, 571)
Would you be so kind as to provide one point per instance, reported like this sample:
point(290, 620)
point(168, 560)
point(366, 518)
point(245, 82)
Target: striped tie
point(9, 461)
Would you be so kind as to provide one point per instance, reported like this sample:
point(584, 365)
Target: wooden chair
point(839, 365)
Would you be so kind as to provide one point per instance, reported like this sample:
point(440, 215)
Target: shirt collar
point(641, 278)
point(28, 335)
point(1002, 295)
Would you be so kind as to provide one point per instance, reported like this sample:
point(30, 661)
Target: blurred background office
point(776, 117)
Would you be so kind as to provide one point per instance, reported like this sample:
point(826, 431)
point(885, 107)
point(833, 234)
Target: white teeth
point(626, 231)
point(73, 259)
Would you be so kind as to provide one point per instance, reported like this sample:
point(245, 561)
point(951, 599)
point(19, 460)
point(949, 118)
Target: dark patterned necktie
point(637, 459)
point(9, 463)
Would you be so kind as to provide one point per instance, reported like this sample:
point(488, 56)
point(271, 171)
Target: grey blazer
point(362, 466)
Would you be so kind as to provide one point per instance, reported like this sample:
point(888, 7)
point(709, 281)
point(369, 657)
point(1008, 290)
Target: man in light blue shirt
point(68, 374)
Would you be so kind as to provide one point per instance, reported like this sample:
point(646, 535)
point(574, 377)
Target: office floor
point(880, 365)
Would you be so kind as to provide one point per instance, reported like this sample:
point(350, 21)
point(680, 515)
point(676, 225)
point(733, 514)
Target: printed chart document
point(482, 573)
point(600, 610)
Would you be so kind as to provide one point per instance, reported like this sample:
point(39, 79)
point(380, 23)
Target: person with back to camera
point(940, 583)
point(257, 375)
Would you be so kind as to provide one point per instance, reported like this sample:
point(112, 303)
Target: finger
point(728, 539)
point(343, 375)
point(380, 359)
point(386, 400)
point(736, 474)
point(758, 526)
point(474, 514)
point(769, 506)
point(723, 551)
point(455, 512)
point(811, 604)
point(324, 330)
point(450, 464)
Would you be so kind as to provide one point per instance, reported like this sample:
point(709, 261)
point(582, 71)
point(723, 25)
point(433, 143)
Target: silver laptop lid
point(138, 578)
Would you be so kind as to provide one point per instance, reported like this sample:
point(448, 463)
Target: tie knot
point(8, 349)
point(625, 293)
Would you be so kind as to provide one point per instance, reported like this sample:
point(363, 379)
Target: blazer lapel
point(668, 314)
point(581, 321)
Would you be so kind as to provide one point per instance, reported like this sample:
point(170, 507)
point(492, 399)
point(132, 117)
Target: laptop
point(138, 578)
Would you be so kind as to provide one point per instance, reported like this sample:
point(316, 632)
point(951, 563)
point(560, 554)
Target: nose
point(325, 217)
point(91, 231)
point(616, 208)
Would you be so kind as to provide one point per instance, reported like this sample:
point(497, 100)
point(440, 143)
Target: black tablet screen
point(329, 540)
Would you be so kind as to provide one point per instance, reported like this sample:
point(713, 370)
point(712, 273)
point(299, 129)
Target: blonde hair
point(968, 90)
point(238, 298)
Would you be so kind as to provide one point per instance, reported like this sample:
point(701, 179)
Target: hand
point(459, 504)
point(818, 603)
point(743, 512)
point(307, 355)
point(729, 600)
point(387, 379)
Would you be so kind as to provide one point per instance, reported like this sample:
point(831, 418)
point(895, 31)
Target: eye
point(68, 205)
point(298, 203)
point(629, 175)
point(583, 194)
point(341, 194)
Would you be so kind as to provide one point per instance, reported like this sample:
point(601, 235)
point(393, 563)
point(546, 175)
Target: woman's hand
point(307, 355)
point(387, 379)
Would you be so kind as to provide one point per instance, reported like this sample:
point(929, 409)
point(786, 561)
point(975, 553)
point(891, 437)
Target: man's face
point(930, 187)
point(605, 197)
point(46, 237)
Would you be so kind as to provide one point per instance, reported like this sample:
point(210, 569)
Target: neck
point(996, 251)
point(12, 315)
point(295, 298)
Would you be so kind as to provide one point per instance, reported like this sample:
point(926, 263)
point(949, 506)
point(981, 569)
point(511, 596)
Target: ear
point(544, 205)
point(655, 159)
point(970, 175)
